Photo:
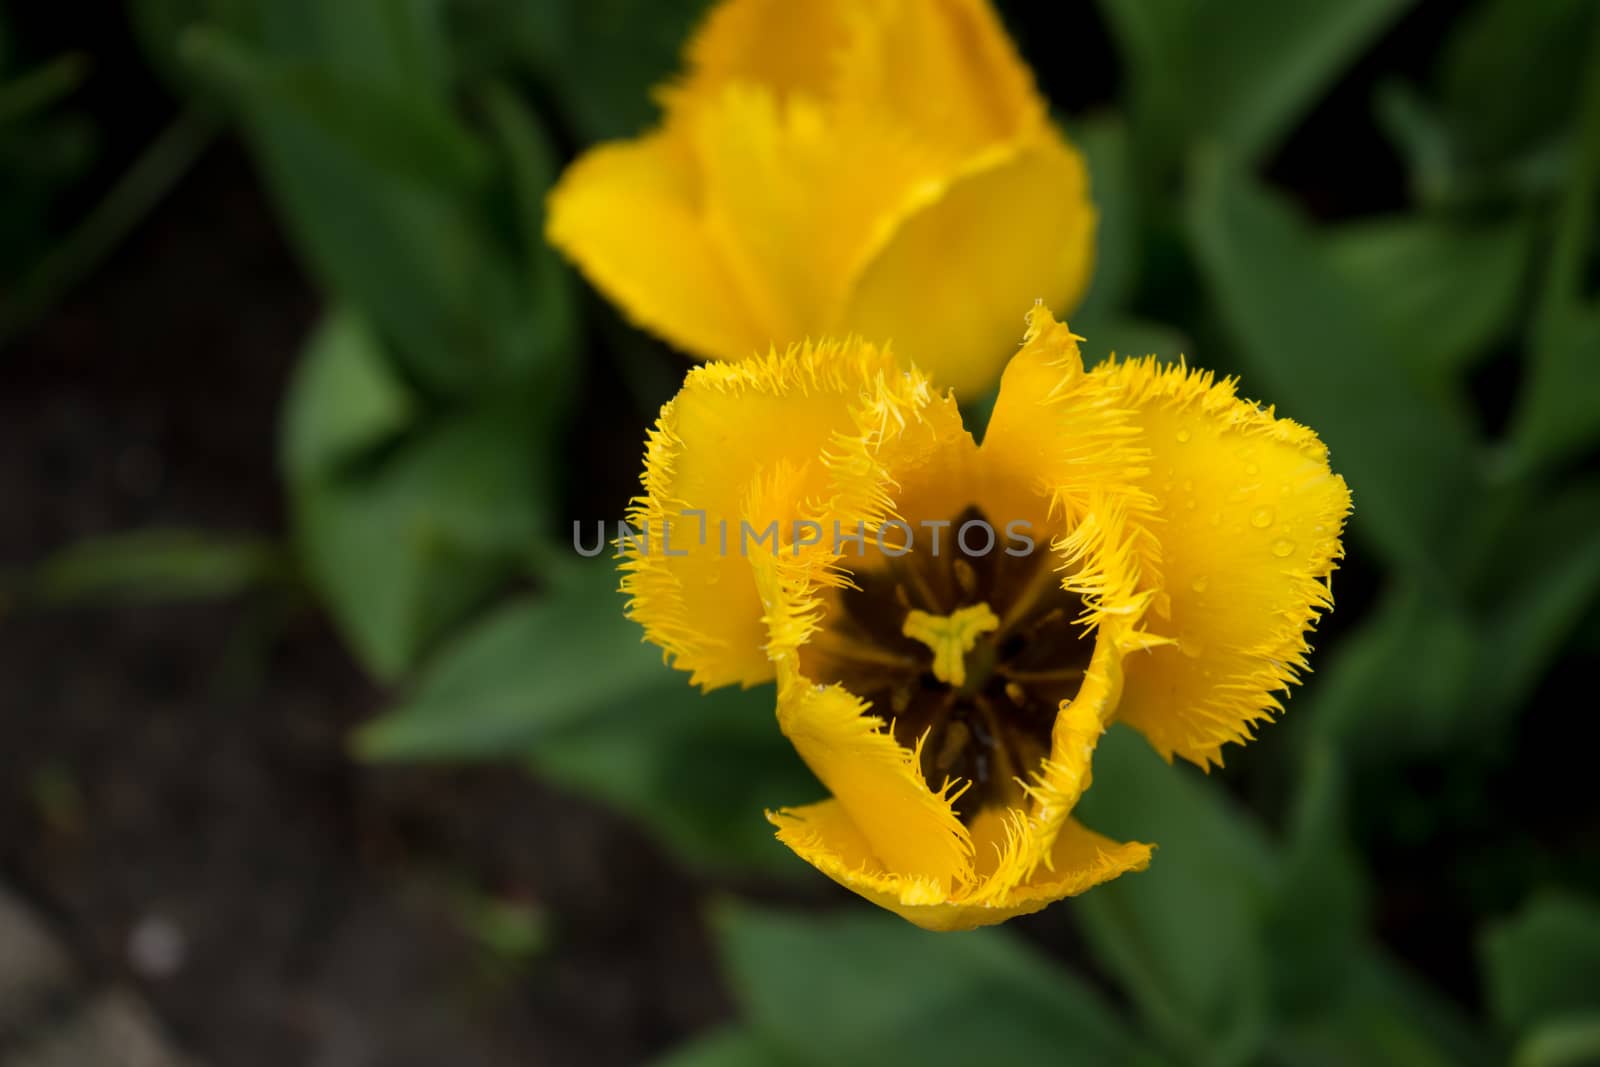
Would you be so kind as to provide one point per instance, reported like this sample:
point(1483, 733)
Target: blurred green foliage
point(42, 146)
point(45, 146)
point(1449, 353)
point(861, 987)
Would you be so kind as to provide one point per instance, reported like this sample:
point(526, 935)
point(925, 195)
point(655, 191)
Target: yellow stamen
point(951, 637)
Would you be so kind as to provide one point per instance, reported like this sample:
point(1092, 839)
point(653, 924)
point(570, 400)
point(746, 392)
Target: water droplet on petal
point(1190, 504)
point(1183, 435)
point(1262, 518)
point(1192, 649)
point(1282, 547)
point(1199, 584)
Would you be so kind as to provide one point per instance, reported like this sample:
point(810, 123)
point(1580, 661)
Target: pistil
point(951, 637)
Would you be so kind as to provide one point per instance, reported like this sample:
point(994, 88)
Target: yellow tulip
point(817, 517)
point(877, 167)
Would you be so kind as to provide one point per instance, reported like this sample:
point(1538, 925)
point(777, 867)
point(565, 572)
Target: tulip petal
point(878, 167)
point(943, 67)
point(1073, 437)
point(756, 446)
point(1079, 860)
point(799, 196)
point(628, 214)
point(825, 835)
point(786, 46)
point(909, 828)
point(945, 288)
point(1249, 517)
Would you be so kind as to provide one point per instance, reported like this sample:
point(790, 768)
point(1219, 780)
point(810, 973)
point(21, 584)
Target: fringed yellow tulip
point(952, 626)
point(878, 167)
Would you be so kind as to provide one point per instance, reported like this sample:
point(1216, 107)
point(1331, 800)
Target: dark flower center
point(988, 709)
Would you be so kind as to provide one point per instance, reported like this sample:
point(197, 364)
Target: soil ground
point(176, 775)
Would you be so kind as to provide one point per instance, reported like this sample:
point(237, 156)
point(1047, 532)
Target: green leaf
point(160, 27)
point(1311, 347)
point(1442, 174)
point(385, 193)
point(535, 668)
point(731, 1046)
point(1126, 337)
point(401, 551)
point(1420, 136)
point(532, 169)
point(74, 255)
point(395, 133)
point(402, 525)
point(1114, 188)
point(1558, 580)
point(396, 45)
point(862, 987)
point(1573, 1042)
point(1381, 1017)
point(1544, 964)
point(35, 91)
point(1319, 910)
point(1400, 682)
point(601, 57)
point(1423, 675)
point(1266, 63)
point(1150, 37)
point(1441, 292)
point(343, 400)
point(1237, 952)
point(159, 564)
point(565, 682)
point(1511, 72)
point(1238, 72)
point(1186, 937)
point(697, 769)
point(1558, 411)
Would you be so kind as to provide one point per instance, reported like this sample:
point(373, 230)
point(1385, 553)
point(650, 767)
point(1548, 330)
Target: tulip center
point(952, 638)
point(968, 654)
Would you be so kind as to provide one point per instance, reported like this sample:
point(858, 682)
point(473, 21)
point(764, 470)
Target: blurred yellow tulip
point(884, 168)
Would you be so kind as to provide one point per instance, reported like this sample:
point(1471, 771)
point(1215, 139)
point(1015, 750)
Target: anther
point(966, 578)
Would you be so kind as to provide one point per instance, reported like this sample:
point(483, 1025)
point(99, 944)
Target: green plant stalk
point(38, 89)
point(1562, 307)
point(152, 176)
point(1575, 216)
point(1561, 1044)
